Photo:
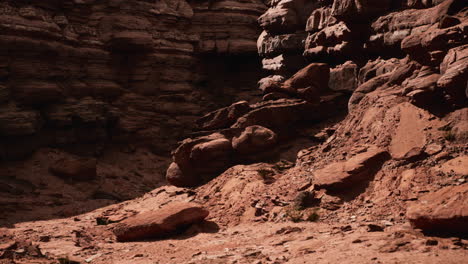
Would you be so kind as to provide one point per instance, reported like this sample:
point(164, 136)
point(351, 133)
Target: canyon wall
point(79, 74)
point(323, 56)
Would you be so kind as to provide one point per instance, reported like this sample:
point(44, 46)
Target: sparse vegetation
point(294, 214)
point(313, 216)
point(450, 136)
point(266, 175)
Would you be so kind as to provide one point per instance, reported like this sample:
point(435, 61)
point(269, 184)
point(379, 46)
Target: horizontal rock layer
point(129, 71)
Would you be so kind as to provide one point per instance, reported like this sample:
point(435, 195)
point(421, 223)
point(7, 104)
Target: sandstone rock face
point(136, 64)
point(227, 26)
point(358, 169)
point(159, 223)
point(442, 212)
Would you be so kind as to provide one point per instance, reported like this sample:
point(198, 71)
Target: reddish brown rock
point(344, 175)
point(456, 166)
point(315, 75)
point(279, 20)
point(74, 168)
point(273, 114)
point(454, 69)
point(366, 88)
point(205, 155)
point(442, 212)
point(176, 177)
point(273, 45)
point(160, 223)
point(223, 117)
point(270, 84)
point(344, 77)
point(409, 134)
point(254, 139)
point(319, 19)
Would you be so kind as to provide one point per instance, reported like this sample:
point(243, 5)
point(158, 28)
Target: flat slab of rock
point(343, 175)
point(160, 223)
point(444, 211)
point(410, 131)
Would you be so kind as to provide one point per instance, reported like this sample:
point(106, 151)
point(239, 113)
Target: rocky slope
point(352, 150)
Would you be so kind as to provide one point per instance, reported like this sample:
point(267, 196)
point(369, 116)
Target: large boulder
point(342, 176)
point(274, 114)
point(315, 75)
point(205, 155)
point(160, 223)
point(223, 117)
point(442, 212)
point(254, 139)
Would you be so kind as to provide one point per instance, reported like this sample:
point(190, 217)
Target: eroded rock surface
point(444, 211)
point(159, 223)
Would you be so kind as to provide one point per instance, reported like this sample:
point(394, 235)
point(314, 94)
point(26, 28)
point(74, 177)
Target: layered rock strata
point(84, 73)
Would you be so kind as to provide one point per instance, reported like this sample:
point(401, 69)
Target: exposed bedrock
point(135, 72)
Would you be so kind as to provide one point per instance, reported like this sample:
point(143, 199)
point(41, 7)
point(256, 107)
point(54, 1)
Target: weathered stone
point(344, 77)
point(160, 223)
point(204, 155)
point(320, 19)
point(410, 131)
point(273, 45)
point(357, 170)
point(315, 75)
point(254, 139)
point(271, 83)
point(454, 69)
point(442, 212)
point(279, 20)
point(284, 63)
point(273, 114)
point(223, 117)
point(178, 178)
point(455, 166)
